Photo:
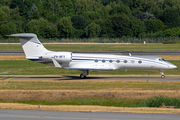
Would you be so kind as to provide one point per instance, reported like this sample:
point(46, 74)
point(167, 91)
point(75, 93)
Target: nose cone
point(171, 66)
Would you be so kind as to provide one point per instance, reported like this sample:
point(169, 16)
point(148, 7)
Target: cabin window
point(132, 61)
point(103, 61)
point(118, 61)
point(96, 60)
point(125, 61)
point(110, 61)
point(139, 61)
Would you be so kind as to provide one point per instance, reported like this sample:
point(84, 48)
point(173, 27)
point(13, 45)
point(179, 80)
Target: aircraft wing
point(56, 64)
point(82, 67)
point(93, 69)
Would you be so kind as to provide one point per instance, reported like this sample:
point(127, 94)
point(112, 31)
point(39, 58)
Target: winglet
point(56, 64)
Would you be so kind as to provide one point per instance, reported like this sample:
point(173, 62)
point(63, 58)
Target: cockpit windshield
point(161, 59)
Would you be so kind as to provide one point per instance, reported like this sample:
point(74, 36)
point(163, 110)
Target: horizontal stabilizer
point(24, 35)
point(56, 64)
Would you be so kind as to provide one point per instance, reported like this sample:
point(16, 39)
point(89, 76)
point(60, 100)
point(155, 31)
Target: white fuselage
point(108, 62)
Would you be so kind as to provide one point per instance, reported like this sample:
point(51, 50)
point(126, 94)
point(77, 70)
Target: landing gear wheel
point(82, 76)
point(162, 76)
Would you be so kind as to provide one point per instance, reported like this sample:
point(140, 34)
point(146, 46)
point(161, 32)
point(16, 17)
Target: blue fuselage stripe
point(106, 60)
point(84, 59)
point(34, 59)
point(120, 60)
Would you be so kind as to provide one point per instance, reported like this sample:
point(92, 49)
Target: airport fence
point(99, 40)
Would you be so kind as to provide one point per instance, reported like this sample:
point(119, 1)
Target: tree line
point(91, 18)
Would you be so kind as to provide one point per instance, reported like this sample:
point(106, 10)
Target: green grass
point(90, 47)
point(159, 101)
point(87, 85)
point(25, 67)
point(152, 102)
point(82, 101)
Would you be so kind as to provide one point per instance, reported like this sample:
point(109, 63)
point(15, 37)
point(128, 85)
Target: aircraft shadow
point(106, 78)
point(66, 77)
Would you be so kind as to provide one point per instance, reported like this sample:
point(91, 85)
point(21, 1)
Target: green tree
point(35, 14)
point(91, 15)
point(65, 27)
point(157, 25)
point(128, 3)
point(106, 2)
point(8, 28)
point(104, 11)
point(52, 8)
point(20, 4)
point(86, 5)
point(137, 27)
point(148, 5)
point(120, 10)
point(5, 2)
point(170, 3)
point(138, 4)
point(3, 17)
point(49, 16)
point(174, 32)
point(77, 33)
point(78, 21)
point(171, 17)
point(68, 7)
point(107, 28)
point(157, 11)
point(121, 24)
point(39, 27)
point(7, 23)
point(93, 30)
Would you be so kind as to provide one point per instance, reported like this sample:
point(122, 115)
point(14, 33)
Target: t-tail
point(32, 47)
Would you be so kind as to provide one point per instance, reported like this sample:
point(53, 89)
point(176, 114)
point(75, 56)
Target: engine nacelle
point(61, 57)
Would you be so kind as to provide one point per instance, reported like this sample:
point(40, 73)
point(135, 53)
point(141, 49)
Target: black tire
point(82, 76)
point(162, 76)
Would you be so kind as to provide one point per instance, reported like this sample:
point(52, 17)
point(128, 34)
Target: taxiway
point(90, 77)
point(53, 115)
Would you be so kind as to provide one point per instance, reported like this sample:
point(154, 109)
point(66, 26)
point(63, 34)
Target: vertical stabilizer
point(32, 47)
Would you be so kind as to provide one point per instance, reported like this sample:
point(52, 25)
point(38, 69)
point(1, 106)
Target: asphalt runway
point(107, 52)
point(60, 78)
point(54, 115)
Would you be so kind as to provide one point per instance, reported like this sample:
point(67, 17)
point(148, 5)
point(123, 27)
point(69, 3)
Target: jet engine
point(61, 57)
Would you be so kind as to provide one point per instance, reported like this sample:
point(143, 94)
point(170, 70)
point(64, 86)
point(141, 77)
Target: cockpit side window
point(160, 59)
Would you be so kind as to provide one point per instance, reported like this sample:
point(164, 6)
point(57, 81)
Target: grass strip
point(110, 101)
point(102, 47)
point(86, 108)
point(161, 102)
point(88, 85)
point(23, 67)
point(81, 101)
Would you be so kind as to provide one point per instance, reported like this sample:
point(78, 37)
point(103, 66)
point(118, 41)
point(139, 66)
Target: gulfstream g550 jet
point(35, 51)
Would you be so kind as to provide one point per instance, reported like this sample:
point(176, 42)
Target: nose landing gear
point(162, 75)
point(84, 74)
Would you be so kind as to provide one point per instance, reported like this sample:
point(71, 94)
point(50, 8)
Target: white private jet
point(35, 51)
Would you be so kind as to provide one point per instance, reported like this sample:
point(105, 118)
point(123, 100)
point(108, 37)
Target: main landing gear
point(162, 75)
point(84, 74)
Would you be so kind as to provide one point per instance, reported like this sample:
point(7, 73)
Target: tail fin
point(31, 45)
